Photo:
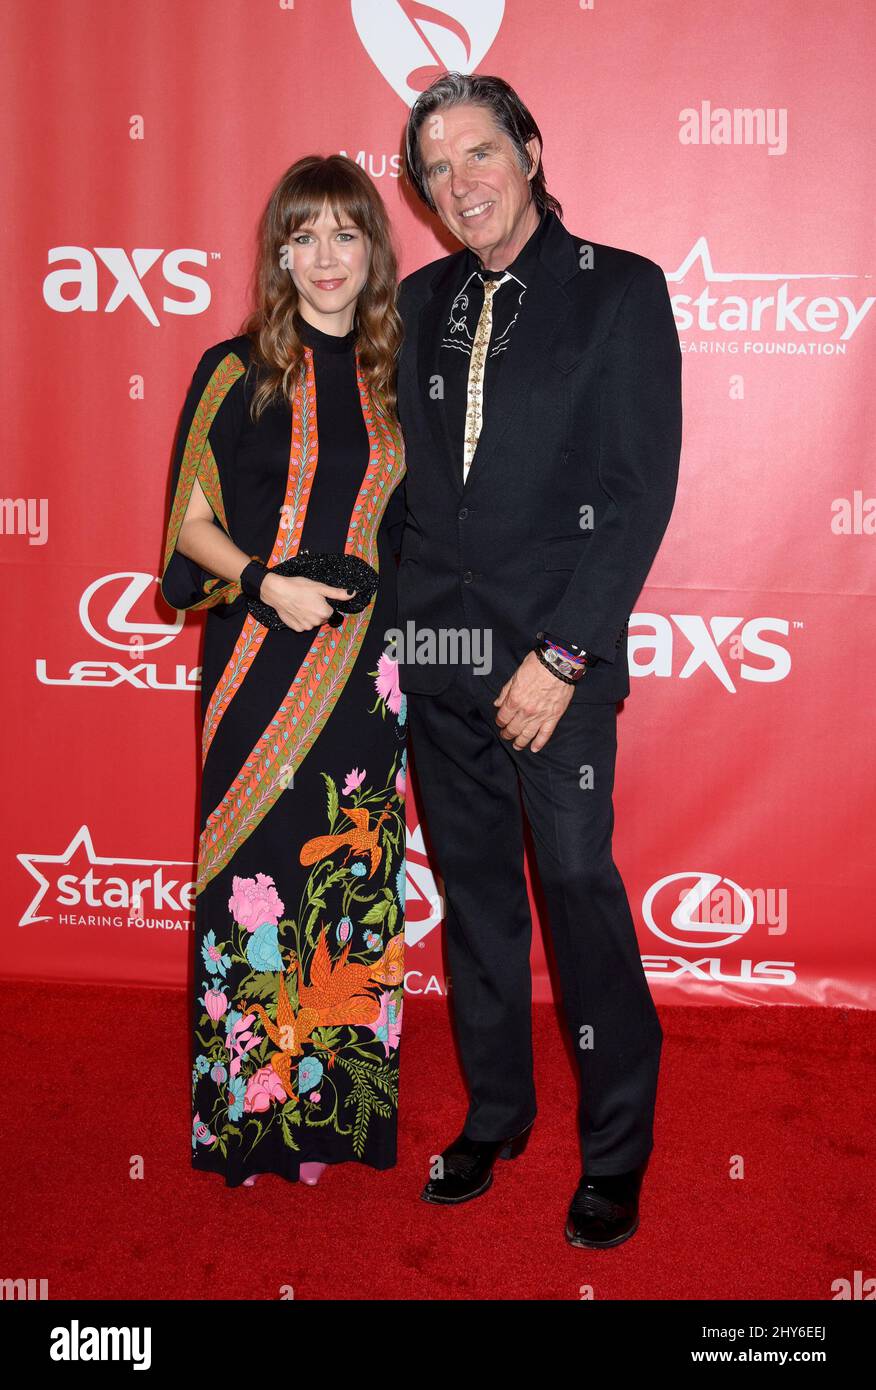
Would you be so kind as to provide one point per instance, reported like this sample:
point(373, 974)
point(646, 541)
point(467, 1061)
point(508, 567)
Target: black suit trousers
point(471, 782)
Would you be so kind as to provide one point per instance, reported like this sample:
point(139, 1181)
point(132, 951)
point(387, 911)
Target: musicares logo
point(424, 905)
point(411, 43)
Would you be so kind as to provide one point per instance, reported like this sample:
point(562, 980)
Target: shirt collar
point(523, 263)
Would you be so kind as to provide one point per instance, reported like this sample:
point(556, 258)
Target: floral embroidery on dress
point(320, 982)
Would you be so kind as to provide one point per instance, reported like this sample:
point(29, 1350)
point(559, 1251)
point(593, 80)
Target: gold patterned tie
point(474, 401)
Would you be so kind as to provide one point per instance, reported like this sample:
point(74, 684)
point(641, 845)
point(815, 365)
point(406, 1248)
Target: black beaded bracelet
point(252, 577)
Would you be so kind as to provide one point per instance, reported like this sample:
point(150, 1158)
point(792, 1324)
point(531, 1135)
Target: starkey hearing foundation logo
point(411, 43)
point(766, 312)
point(79, 888)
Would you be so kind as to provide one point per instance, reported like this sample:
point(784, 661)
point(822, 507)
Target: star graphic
point(81, 838)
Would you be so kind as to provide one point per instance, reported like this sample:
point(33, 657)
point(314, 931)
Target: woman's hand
point(300, 602)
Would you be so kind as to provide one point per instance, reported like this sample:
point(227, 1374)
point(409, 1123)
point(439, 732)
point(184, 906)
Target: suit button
point(467, 577)
point(462, 513)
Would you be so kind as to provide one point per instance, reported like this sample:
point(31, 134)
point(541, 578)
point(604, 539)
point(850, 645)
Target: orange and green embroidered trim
point(198, 461)
point(299, 481)
point(323, 673)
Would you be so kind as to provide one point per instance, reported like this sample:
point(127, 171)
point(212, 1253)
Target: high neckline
point(314, 337)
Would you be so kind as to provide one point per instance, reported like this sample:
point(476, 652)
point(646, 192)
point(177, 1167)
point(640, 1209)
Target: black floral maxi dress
point(299, 921)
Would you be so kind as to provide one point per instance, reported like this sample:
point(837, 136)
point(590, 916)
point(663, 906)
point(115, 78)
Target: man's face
point(481, 193)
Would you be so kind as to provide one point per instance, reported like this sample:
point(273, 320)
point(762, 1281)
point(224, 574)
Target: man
point(540, 399)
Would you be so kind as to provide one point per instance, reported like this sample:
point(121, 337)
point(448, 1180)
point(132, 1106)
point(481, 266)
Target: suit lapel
point(545, 309)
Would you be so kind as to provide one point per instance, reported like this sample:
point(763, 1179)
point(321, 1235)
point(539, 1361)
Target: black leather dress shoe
point(605, 1210)
point(467, 1167)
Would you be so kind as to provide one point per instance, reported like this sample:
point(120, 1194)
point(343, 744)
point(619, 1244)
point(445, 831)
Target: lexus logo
point(107, 616)
point(679, 926)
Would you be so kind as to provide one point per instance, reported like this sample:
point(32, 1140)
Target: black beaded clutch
point(330, 567)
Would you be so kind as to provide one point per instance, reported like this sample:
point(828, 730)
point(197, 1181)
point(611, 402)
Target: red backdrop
point(730, 144)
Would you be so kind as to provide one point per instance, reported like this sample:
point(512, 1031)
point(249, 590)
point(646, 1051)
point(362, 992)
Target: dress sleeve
point(209, 425)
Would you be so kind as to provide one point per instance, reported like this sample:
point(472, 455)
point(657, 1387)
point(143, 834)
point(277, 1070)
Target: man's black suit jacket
point(586, 413)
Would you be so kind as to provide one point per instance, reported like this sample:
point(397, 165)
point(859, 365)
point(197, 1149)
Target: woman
point(289, 443)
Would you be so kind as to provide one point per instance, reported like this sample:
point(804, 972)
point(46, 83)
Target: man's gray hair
point(509, 114)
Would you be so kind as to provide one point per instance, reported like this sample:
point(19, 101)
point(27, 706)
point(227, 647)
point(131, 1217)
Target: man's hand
point(532, 703)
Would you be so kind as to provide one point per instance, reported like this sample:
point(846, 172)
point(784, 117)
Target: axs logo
point(652, 642)
point(76, 286)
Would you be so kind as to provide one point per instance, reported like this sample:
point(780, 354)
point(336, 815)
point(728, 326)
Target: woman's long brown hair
point(305, 188)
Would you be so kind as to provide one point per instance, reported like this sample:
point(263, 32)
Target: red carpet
point(96, 1075)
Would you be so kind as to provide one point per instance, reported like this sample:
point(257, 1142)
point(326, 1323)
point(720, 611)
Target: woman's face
point(329, 267)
